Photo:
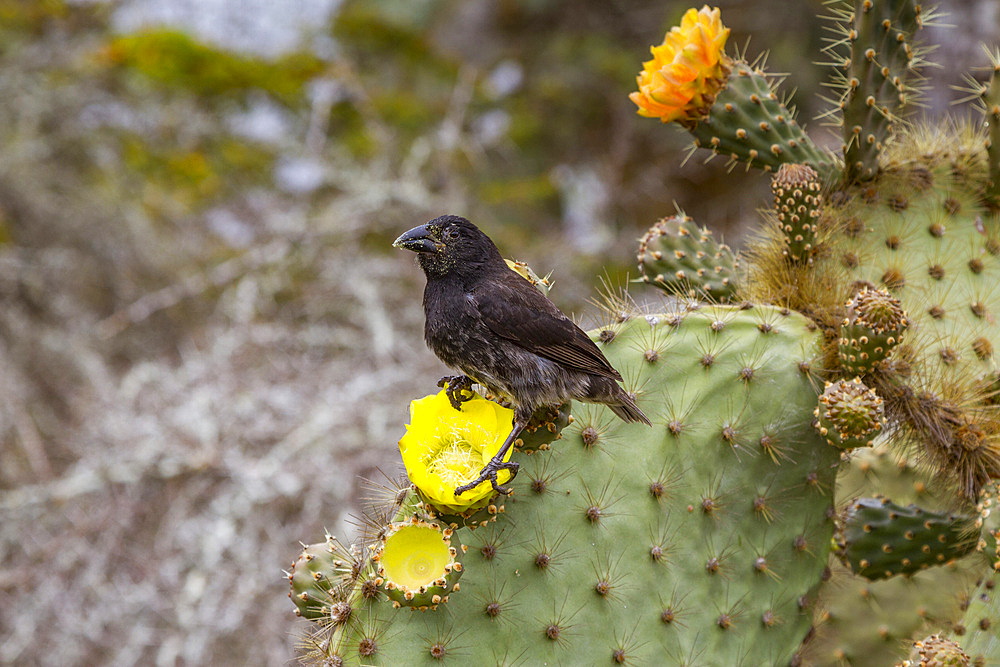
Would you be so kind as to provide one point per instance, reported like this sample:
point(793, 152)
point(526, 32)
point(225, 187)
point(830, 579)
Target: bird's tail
point(629, 411)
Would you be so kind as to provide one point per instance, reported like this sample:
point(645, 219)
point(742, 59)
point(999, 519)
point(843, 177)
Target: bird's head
point(450, 244)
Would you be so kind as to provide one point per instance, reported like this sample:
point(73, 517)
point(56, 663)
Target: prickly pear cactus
point(706, 538)
point(634, 544)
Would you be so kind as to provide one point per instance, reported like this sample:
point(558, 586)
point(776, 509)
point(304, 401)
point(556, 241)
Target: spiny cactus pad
point(921, 233)
point(881, 470)
point(978, 632)
point(863, 622)
point(876, 76)
point(678, 256)
point(705, 535)
point(749, 123)
point(880, 539)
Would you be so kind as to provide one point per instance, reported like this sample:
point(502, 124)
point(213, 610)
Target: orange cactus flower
point(687, 71)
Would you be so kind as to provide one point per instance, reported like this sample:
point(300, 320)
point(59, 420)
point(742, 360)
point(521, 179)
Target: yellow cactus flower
point(444, 448)
point(687, 71)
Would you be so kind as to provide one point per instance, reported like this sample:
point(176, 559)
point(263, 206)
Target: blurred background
point(206, 340)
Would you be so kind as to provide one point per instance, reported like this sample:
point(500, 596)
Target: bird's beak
point(418, 239)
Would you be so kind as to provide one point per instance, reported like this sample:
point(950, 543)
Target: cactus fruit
point(678, 256)
point(880, 539)
point(638, 544)
point(798, 202)
point(873, 327)
point(418, 566)
point(849, 414)
point(314, 573)
point(937, 651)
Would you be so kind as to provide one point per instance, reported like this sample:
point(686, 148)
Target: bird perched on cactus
point(489, 323)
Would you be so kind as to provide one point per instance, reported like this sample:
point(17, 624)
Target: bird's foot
point(456, 386)
point(490, 473)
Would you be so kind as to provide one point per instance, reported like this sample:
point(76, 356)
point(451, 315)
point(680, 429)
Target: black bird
point(493, 326)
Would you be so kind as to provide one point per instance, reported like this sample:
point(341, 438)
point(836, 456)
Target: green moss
point(195, 175)
point(177, 61)
point(370, 31)
point(31, 15)
point(526, 191)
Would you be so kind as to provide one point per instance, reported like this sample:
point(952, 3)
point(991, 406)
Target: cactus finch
point(494, 327)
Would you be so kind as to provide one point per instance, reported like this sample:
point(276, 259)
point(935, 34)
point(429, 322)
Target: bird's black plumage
point(492, 325)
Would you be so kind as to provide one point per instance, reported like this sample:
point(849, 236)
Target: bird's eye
point(452, 234)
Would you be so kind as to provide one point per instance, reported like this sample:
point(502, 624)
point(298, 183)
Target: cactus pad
point(678, 256)
point(749, 123)
point(881, 539)
point(625, 543)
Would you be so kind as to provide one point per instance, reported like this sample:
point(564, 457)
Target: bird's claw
point(490, 473)
point(456, 385)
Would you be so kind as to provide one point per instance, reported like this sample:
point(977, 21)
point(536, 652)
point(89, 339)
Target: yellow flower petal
point(687, 70)
point(444, 448)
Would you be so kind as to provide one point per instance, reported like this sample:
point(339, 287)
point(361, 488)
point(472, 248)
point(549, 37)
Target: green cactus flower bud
point(849, 414)
point(874, 325)
point(797, 203)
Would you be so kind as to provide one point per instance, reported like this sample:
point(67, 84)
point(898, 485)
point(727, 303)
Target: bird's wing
point(513, 309)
